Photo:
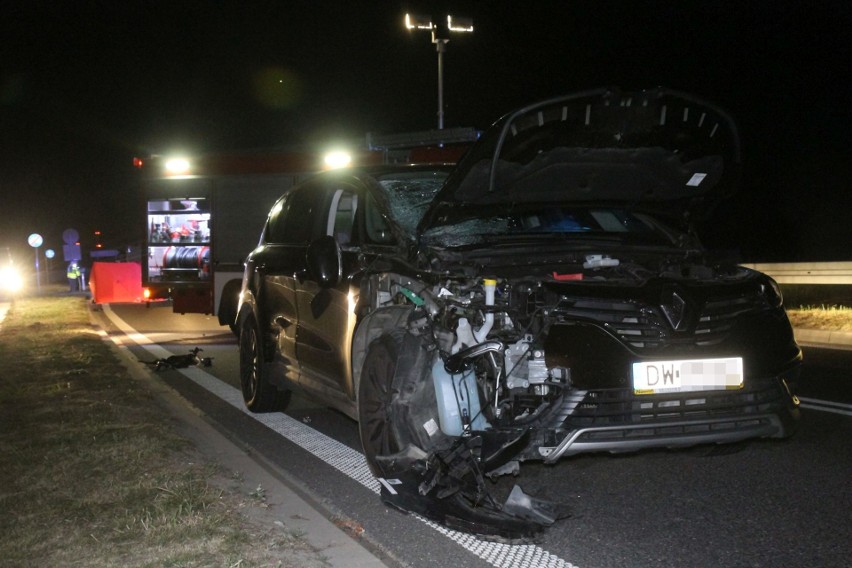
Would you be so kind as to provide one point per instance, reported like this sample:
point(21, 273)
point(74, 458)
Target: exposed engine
point(492, 368)
point(510, 367)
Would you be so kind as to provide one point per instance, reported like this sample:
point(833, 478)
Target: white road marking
point(826, 406)
point(346, 460)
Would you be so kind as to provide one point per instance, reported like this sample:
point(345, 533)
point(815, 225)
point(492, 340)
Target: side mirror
point(324, 262)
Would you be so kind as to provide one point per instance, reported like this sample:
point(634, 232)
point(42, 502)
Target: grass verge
point(93, 472)
point(830, 318)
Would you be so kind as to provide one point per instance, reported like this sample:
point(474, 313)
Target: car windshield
point(564, 221)
point(409, 194)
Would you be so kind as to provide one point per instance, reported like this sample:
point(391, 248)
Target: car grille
point(635, 324)
point(719, 315)
point(617, 407)
point(643, 327)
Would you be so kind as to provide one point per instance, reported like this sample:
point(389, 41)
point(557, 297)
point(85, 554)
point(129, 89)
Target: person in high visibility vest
point(73, 275)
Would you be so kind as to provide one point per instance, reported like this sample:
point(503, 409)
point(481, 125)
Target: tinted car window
point(294, 219)
point(377, 228)
point(275, 225)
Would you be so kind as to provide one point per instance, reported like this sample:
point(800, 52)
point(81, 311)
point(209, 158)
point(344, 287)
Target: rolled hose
point(187, 257)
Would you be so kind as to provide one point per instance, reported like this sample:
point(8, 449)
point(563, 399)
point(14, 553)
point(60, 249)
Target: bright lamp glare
point(459, 24)
point(337, 159)
point(10, 280)
point(177, 166)
point(418, 22)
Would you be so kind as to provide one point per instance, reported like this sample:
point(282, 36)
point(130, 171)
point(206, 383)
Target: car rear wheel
point(258, 393)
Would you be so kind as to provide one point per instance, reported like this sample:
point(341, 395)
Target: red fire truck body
point(205, 214)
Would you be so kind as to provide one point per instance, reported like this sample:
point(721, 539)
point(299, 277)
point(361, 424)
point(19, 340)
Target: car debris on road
point(190, 359)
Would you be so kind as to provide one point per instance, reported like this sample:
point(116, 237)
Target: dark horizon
point(84, 88)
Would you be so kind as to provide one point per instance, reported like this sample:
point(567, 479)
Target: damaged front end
point(484, 374)
point(445, 404)
point(426, 412)
point(554, 281)
point(448, 486)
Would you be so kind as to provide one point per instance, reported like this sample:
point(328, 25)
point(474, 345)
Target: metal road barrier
point(811, 283)
point(806, 272)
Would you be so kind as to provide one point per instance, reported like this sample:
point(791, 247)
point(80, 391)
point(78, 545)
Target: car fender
point(374, 324)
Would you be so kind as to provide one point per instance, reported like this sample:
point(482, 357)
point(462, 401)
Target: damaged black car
point(548, 296)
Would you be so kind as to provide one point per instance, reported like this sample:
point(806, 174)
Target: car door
point(326, 314)
point(276, 266)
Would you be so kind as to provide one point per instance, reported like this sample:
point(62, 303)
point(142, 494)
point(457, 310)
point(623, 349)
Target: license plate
point(653, 377)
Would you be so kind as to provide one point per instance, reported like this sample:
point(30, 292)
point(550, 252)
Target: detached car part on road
point(546, 297)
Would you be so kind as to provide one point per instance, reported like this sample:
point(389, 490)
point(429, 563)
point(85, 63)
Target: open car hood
point(657, 150)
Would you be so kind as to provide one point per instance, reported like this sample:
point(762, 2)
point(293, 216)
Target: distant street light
point(440, 37)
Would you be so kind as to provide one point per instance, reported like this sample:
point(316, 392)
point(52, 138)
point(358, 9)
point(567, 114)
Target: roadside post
point(49, 254)
point(35, 240)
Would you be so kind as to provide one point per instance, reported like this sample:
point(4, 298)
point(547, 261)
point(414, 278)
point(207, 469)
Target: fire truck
point(204, 214)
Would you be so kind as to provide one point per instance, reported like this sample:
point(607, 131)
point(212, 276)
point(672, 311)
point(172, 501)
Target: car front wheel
point(396, 397)
point(376, 395)
point(258, 393)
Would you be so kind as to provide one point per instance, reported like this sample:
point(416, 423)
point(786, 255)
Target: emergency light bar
point(459, 135)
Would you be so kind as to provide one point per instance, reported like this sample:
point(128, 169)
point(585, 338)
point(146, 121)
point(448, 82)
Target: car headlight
point(10, 280)
point(772, 291)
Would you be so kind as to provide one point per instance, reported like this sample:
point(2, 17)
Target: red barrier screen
point(116, 282)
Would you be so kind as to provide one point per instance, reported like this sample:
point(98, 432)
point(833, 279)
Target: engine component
point(459, 409)
point(525, 364)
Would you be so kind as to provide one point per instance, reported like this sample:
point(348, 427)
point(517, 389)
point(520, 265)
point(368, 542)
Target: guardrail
point(811, 283)
point(806, 272)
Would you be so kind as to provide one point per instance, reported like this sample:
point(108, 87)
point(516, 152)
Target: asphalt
point(291, 505)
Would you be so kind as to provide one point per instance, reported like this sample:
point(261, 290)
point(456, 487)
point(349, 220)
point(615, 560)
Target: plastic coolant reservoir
point(457, 397)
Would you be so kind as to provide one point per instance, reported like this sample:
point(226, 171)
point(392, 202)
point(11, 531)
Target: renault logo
point(674, 308)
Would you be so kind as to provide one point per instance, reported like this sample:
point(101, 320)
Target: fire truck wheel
point(258, 394)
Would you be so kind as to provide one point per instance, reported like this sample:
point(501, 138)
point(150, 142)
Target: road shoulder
point(824, 338)
point(278, 502)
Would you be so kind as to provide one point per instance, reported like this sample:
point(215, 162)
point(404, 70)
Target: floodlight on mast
point(440, 37)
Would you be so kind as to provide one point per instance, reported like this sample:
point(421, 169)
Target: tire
point(396, 399)
point(227, 309)
point(376, 394)
point(258, 393)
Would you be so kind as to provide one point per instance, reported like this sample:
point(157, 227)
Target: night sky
point(85, 86)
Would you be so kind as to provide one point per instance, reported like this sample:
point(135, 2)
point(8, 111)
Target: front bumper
point(616, 439)
point(616, 420)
